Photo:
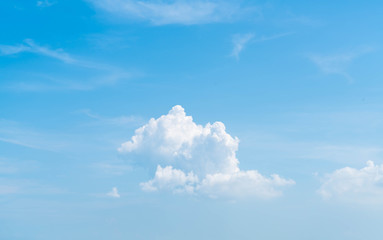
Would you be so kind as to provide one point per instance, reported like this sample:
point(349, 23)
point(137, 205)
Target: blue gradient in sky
point(298, 82)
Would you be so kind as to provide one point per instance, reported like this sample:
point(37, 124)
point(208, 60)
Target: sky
point(207, 119)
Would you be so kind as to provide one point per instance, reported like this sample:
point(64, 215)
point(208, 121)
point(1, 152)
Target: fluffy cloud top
point(365, 184)
point(193, 159)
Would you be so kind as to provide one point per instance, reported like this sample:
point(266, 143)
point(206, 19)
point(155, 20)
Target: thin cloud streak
point(45, 3)
point(14, 133)
point(53, 83)
point(30, 46)
point(273, 37)
point(176, 12)
point(17, 142)
point(117, 121)
point(109, 75)
point(338, 63)
point(118, 168)
point(240, 41)
point(59, 54)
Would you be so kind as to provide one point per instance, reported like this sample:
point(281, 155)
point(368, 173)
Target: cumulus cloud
point(196, 159)
point(114, 193)
point(168, 178)
point(171, 12)
point(365, 184)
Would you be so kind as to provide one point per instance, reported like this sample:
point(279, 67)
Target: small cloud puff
point(114, 193)
point(196, 159)
point(358, 185)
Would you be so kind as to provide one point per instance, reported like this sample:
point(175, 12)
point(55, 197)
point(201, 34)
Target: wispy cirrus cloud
point(22, 186)
point(292, 18)
point(14, 133)
point(45, 3)
point(338, 63)
point(6, 168)
point(117, 121)
point(18, 142)
point(113, 168)
point(58, 83)
point(240, 41)
point(30, 46)
point(174, 12)
point(100, 75)
point(272, 37)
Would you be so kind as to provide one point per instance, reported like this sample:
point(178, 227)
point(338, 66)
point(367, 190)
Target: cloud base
point(196, 159)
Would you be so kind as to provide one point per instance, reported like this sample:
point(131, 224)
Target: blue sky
point(212, 119)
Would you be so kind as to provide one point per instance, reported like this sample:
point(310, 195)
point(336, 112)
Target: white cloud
point(30, 46)
point(17, 142)
point(243, 184)
point(337, 63)
point(175, 139)
point(15, 133)
point(113, 168)
point(350, 184)
point(192, 158)
point(118, 121)
point(44, 3)
point(37, 83)
point(101, 75)
point(292, 18)
point(174, 12)
point(239, 42)
point(114, 193)
point(168, 178)
point(273, 37)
